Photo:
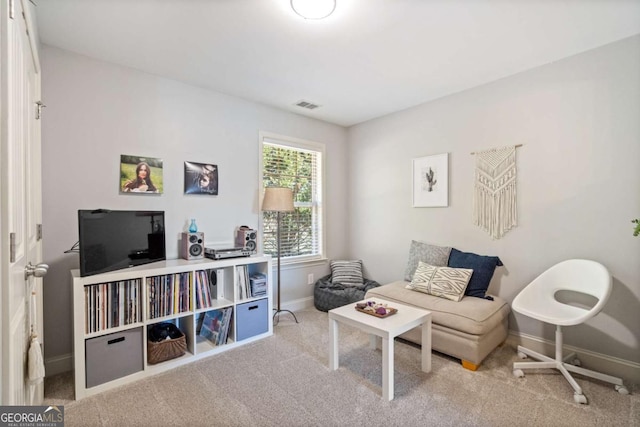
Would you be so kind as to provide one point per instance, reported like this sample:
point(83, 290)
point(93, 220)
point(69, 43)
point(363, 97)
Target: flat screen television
point(112, 240)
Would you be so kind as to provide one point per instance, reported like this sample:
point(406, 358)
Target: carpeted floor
point(284, 381)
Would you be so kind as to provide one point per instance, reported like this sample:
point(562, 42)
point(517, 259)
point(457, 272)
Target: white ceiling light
point(313, 9)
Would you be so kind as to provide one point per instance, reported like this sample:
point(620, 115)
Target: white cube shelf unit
point(112, 314)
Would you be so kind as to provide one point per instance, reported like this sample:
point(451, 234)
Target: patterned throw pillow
point(431, 254)
point(347, 273)
point(444, 282)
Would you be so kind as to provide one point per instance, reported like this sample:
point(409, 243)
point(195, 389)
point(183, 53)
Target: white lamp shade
point(277, 199)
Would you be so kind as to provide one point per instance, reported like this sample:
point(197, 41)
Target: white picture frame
point(431, 181)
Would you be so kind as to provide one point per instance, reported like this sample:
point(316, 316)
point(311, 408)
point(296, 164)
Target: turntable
point(223, 253)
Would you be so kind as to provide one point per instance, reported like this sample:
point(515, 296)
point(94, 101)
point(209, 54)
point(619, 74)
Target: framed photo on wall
point(140, 175)
point(431, 181)
point(200, 178)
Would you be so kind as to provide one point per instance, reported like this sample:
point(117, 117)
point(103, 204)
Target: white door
point(20, 191)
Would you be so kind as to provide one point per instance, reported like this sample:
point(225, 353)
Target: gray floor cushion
point(327, 295)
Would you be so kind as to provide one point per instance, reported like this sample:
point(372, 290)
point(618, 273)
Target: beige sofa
point(467, 330)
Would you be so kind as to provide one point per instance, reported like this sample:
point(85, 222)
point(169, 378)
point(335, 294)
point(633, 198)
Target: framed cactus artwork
point(431, 181)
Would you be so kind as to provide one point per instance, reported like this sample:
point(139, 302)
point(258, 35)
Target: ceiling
point(368, 59)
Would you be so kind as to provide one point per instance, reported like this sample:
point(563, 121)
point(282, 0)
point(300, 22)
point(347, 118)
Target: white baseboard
point(625, 369)
point(59, 364)
point(298, 304)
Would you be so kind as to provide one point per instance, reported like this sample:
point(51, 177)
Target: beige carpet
point(284, 381)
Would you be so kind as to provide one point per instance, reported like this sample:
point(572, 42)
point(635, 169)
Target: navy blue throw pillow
point(482, 266)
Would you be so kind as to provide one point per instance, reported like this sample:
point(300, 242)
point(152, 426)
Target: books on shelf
point(109, 305)
point(215, 325)
point(169, 294)
point(250, 286)
point(258, 283)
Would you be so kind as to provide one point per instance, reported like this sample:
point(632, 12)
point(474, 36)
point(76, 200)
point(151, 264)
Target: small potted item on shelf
point(164, 342)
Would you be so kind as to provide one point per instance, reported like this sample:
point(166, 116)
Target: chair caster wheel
point(622, 389)
point(580, 398)
point(518, 373)
point(521, 355)
point(576, 362)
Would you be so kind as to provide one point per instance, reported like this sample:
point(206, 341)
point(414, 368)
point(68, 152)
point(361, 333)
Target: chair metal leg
point(534, 354)
point(569, 378)
point(546, 362)
point(594, 374)
point(571, 358)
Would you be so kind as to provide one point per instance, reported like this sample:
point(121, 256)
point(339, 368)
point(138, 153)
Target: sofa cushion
point(482, 266)
point(347, 273)
point(444, 282)
point(470, 315)
point(431, 254)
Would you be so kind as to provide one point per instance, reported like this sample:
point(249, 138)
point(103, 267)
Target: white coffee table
point(386, 328)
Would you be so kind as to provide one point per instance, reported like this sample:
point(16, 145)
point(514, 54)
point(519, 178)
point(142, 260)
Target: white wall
point(578, 183)
point(577, 191)
point(97, 111)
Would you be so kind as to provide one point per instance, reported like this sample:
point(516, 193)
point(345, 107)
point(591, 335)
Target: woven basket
point(166, 350)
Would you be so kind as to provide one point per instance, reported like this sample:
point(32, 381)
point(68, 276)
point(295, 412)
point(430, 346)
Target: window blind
point(300, 230)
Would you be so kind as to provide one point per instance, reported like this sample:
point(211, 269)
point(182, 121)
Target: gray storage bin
point(113, 356)
point(252, 319)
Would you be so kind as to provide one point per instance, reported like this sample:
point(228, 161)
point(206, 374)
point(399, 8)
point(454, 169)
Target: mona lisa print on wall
point(431, 181)
point(200, 178)
point(140, 175)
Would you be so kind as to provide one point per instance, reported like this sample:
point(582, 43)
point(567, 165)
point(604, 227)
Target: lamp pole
point(278, 309)
point(278, 200)
point(278, 221)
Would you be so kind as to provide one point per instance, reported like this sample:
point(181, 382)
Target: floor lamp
point(277, 199)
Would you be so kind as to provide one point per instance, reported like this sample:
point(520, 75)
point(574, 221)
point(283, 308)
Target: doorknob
point(38, 270)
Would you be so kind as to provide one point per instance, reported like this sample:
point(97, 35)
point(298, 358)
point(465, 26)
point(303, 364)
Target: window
point(294, 164)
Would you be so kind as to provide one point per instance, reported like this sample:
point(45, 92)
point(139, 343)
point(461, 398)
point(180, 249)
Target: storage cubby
point(215, 328)
point(171, 347)
point(113, 356)
point(114, 313)
point(252, 319)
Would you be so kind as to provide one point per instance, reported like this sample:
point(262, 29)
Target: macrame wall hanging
point(494, 198)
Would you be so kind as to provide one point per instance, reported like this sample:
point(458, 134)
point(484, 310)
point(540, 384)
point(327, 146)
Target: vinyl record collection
point(203, 289)
point(215, 325)
point(109, 305)
point(168, 294)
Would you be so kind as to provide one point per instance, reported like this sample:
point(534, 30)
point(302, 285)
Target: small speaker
point(192, 246)
point(247, 238)
point(216, 283)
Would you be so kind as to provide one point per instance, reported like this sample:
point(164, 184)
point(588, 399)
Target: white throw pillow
point(444, 282)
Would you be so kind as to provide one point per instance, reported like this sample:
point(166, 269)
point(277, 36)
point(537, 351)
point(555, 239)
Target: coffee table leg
point(373, 341)
point(333, 344)
point(387, 368)
point(426, 345)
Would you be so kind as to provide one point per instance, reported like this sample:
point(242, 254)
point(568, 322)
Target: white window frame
point(302, 144)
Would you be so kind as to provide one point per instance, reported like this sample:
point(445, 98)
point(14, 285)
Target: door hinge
point(38, 231)
point(39, 106)
point(12, 247)
point(11, 10)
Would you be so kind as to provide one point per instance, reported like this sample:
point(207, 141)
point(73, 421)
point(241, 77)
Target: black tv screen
point(112, 240)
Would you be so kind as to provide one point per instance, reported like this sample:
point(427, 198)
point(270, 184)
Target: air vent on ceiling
point(306, 104)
